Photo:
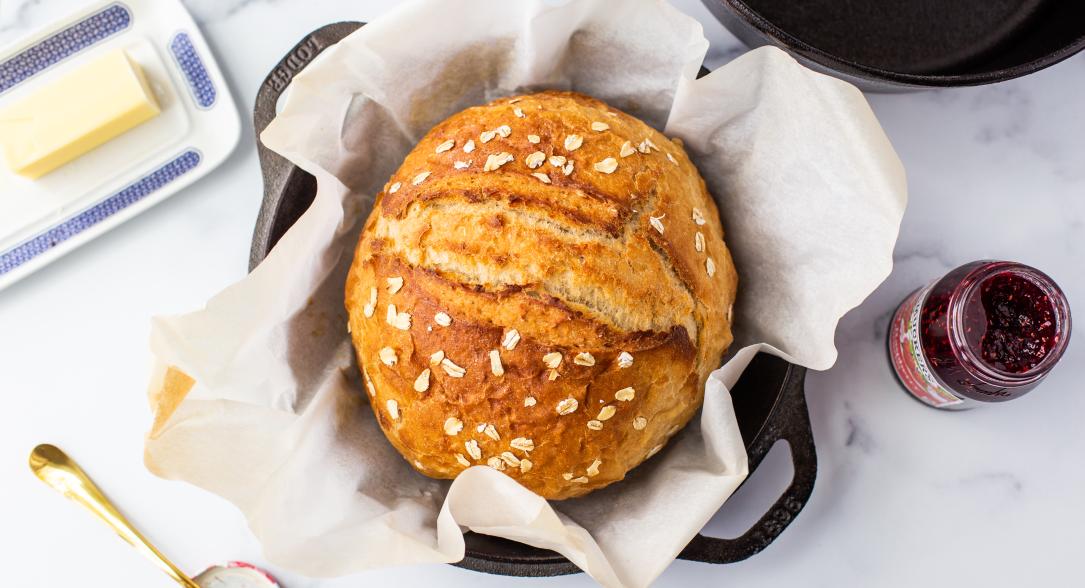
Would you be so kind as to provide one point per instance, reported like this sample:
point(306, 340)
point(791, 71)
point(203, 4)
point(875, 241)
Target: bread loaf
point(542, 288)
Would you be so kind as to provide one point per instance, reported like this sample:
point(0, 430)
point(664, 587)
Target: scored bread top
point(542, 287)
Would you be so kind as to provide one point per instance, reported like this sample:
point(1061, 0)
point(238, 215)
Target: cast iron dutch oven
point(912, 44)
point(769, 400)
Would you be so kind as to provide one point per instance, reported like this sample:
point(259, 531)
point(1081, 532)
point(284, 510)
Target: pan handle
point(277, 171)
point(790, 421)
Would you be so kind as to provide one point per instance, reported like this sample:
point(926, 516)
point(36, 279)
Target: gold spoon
point(61, 473)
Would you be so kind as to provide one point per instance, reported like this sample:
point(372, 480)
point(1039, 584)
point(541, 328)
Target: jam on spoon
point(988, 331)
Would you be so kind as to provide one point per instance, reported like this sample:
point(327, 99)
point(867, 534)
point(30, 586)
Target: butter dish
point(195, 129)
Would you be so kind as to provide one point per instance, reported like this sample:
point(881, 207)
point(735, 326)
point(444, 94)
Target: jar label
point(906, 353)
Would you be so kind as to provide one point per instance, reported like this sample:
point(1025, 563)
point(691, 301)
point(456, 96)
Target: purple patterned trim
point(63, 44)
point(145, 186)
point(199, 82)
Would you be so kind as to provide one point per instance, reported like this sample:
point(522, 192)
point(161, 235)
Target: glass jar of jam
point(988, 331)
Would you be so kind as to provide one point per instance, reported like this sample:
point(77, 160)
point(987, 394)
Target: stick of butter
point(75, 113)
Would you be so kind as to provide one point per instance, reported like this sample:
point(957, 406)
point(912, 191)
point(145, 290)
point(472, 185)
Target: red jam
point(987, 331)
point(1012, 324)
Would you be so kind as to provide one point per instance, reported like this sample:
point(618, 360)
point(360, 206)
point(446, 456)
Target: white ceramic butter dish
point(198, 127)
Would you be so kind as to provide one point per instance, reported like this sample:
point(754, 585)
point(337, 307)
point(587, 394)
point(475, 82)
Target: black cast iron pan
point(769, 400)
point(912, 44)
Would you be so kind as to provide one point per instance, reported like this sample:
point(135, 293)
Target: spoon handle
point(61, 473)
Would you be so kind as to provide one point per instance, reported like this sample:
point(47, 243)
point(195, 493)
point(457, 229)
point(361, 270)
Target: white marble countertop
point(905, 494)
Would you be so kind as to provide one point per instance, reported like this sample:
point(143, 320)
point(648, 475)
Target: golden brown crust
point(584, 264)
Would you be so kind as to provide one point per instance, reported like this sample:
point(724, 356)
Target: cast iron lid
point(919, 42)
